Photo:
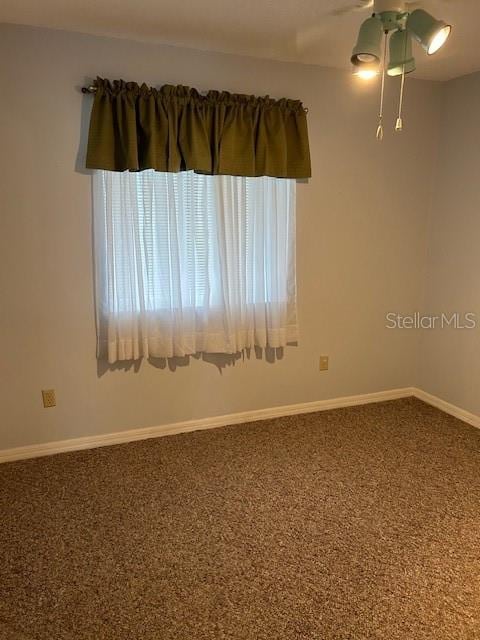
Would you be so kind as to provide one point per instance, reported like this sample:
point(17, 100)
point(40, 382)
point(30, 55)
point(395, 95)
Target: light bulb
point(366, 74)
point(439, 39)
point(366, 57)
point(427, 30)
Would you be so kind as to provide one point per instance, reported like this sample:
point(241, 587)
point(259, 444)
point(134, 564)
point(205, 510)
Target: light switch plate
point(323, 363)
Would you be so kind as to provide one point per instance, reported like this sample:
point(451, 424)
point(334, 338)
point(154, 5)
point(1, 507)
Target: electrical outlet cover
point(48, 396)
point(323, 363)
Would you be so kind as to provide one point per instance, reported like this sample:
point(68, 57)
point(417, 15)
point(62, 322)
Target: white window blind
point(187, 263)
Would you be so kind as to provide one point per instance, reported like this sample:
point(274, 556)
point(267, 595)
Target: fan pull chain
point(382, 92)
point(399, 123)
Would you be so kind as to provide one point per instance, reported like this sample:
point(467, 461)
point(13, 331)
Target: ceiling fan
point(360, 5)
point(400, 23)
point(404, 20)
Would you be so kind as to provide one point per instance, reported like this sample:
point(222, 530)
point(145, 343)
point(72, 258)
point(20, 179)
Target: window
point(189, 263)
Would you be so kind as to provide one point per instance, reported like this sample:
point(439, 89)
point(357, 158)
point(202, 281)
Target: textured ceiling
point(297, 30)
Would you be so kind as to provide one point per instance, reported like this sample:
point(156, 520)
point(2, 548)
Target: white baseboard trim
point(91, 442)
point(120, 437)
point(447, 407)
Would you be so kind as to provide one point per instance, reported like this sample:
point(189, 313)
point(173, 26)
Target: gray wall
point(361, 233)
point(450, 359)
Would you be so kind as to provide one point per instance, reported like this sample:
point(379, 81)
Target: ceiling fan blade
point(309, 36)
point(305, 38)
point(417, 4)
point(360, 5)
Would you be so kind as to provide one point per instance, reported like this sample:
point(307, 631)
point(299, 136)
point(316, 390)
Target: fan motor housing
point(391, 20)
point(382, 6)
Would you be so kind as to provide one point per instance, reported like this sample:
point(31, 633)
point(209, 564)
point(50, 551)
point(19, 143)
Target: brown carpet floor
point(349, 524)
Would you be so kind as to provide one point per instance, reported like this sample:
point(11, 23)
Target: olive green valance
point(175, 128)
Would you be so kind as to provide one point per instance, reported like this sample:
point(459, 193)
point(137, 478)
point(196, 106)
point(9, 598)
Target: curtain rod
point(93, 89)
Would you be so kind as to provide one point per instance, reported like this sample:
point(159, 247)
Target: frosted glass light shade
point(400, 54)
point(367, 51)
point(429, 32)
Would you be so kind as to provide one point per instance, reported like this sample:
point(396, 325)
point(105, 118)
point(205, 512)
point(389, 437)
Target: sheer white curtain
point(188, 263)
